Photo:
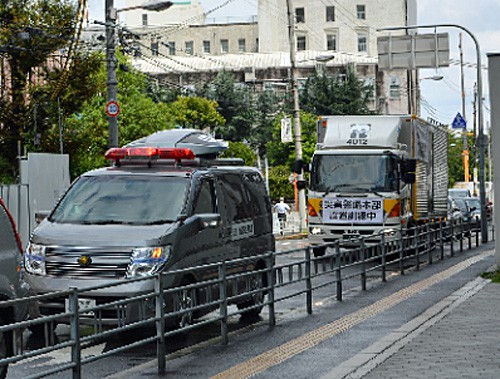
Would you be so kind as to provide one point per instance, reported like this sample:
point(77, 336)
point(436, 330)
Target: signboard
point(458, 122)
point(112, 108)
point(409, 52)
point(286, 130)
point(353, 210)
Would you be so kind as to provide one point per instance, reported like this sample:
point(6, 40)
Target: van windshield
point(354, 173)
point(122, 200)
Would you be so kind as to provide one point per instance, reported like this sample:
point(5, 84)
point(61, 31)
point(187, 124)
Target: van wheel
point(257, 282)
point(185, 300)
point(4, 350)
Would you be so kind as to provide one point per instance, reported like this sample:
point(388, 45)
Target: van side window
point(256, 193)
point(235, 200)
point(205, 201)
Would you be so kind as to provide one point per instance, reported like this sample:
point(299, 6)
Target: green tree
point(29, 32)
point(195, 112)
point(240, 150)
point(280, 153)
point(324, 94)
point(236, 105)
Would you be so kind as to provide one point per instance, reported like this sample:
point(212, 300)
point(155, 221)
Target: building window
point(300, 16)
point(330, 14)
point(362, 43)
point(189, 48)
point(394, 87)
point(206, 47)
point(224, 46)
point(242, 46)
point(144, 20)
point(154, 49)
point(301, 43)
point(360, 12)
point(331, 42)
point(171, 48)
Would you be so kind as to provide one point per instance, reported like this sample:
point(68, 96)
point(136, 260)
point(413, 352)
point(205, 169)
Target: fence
point(164, 307)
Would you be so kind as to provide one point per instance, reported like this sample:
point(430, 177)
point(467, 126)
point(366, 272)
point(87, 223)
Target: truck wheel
point(257, 282)
point(319, 251)
point(4, 350)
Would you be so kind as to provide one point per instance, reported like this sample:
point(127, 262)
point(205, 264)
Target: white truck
point(374, 174)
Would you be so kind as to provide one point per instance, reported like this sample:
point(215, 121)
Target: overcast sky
point(442, 99)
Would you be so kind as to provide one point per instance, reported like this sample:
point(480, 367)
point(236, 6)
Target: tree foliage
point(195, 112)
point(29, 32)
point(346, 94)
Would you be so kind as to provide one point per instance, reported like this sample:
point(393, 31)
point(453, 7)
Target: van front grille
point(87, 262)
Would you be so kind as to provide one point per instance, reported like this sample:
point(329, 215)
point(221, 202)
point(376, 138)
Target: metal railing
point(163, 307)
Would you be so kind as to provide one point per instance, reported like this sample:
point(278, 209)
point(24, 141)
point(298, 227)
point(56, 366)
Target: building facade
point(189, 51)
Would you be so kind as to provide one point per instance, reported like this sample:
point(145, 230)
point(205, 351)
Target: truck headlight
point(315, 231)
point(34, 259)
point(148, 260)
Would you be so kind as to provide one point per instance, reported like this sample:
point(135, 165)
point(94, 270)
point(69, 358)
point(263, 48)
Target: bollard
point(74, 333)
point(270, 292)
point(384, 252)
point(441, 242)
point(308, 281)
point(338, 270)
point(363, 265)
point(160, 324)
point(223, 305)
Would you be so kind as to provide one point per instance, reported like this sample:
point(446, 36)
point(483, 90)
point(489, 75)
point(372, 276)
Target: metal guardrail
point(305, 275)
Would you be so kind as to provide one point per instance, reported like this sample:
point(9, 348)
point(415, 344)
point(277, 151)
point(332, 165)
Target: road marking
point(298, 345)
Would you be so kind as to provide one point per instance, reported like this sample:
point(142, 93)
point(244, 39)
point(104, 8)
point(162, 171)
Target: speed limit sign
point(112, 108)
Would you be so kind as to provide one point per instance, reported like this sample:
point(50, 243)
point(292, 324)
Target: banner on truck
point(351, 210)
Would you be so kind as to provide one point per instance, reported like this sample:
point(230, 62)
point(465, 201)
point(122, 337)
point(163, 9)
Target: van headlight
point(34, 259)
point(148, 260)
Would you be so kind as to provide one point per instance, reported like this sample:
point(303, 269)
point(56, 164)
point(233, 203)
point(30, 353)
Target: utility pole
point(296, 118)
point(112, 83)
point(465, 147)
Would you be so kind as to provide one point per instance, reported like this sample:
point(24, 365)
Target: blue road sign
point(458, 122)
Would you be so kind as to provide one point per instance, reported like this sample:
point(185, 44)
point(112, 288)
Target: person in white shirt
point(282, 209)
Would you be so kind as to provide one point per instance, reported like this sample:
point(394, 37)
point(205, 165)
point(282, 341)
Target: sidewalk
point(458, 337)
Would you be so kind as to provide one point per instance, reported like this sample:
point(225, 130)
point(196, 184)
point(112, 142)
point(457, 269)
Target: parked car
point(12, 283)
point(158, 208)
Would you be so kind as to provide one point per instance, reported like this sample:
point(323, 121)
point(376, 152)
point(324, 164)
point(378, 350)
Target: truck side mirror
point(409, 177)
point(408, 165)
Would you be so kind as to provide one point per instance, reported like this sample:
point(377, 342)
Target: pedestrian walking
point(282, 209)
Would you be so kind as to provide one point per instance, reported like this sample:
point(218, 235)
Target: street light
point(414, 93)
point(112, 83)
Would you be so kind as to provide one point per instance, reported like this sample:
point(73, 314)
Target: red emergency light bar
point(118, 153)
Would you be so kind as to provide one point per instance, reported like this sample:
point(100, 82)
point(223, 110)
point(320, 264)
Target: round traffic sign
point(112, 108)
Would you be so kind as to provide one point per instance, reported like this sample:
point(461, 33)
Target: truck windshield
point(354, 173)
point(122, 200)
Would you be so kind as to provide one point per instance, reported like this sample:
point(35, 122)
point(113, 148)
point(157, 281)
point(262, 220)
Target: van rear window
point(122, 200)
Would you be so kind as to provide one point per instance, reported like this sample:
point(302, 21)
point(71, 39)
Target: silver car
point(12, 283)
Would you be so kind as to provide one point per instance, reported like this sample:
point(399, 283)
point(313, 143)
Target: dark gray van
point(155, 209)
point(12, 284)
